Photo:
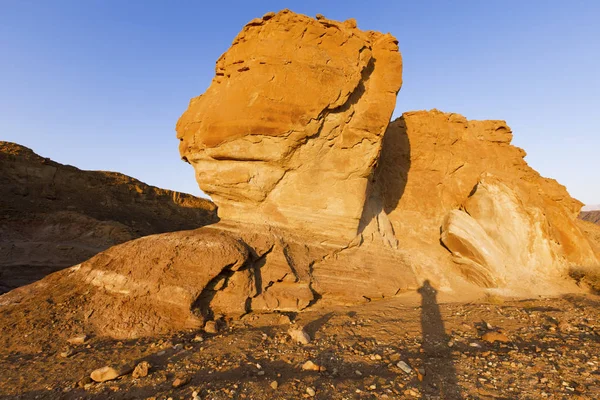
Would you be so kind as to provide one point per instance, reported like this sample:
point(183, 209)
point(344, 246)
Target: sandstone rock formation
point(442, 177)
point(290, 129)
point(323, 200)
point(54, 216)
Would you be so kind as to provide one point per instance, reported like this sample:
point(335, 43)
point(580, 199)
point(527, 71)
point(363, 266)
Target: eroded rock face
point(505, 225)
point(290, 129)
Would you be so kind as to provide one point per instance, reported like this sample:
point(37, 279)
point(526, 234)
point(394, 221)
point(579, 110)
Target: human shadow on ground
point(440, 380)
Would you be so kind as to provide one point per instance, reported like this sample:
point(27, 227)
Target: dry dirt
point(553, 352)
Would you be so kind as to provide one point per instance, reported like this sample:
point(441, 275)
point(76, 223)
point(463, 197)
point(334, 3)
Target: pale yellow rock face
point(290, 129)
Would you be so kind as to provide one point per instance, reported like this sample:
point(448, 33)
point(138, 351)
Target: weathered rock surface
point(54, 216)
point(441, 176)
point(319, 206)
point(290, 129)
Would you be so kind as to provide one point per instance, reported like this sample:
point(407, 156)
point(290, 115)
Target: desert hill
point(54, 216)
point(590, 216)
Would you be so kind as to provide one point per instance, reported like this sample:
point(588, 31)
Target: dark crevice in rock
point(201, 306)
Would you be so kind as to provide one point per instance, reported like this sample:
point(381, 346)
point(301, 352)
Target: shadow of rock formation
point(389, 179)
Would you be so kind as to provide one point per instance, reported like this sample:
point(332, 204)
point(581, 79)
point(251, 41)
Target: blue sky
point(100, 84)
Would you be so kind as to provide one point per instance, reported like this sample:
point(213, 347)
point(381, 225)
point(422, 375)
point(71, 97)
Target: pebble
point(299, 336)
point(198, 339)
point(311, 366)
point(108, 373)
point(310, 391)
point(492, 337)
point(141, 370)
point(404, 367)
point(274, 385)
point(67, 353)
point(211, 327)
point(178, 382)
point(79, 339)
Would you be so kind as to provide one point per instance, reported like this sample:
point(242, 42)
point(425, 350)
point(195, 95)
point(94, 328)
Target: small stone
point(476, 345)
point(86, 380)
point(141, 370)
point(492, 337)
point(195, 395)
point(260, 373)
point(79, 339)
point(274, 385)
point(404, 367)
point(67, 353)
point(311, 366)
point(358, 373)
point(299, 336)
point(178, 382)
point(108, 373)
point(310, 391)
point(320, 16)
point(211, 327)
point(198, 339)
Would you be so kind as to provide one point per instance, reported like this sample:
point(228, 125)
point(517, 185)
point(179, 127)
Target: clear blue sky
point(100, 84)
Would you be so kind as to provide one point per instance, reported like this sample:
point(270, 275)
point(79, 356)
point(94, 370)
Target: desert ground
point(411, 347)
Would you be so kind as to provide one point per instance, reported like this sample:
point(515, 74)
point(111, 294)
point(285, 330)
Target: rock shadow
point(390, 176)
point(440, 380)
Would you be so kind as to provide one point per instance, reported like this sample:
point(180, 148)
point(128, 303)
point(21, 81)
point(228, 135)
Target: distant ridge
point(591, 216)
point(54, 215)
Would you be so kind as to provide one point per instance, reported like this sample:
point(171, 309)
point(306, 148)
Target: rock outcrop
point(323, 200)
point(54, 216)
point(444, 178)
point(290, 129)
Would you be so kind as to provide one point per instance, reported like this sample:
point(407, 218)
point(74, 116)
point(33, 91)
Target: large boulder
point(290, 129)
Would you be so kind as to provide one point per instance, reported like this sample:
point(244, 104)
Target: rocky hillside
point(591, 216)
point(55, 215)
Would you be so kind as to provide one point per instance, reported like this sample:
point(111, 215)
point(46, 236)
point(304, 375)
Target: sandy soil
point(553, 352)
